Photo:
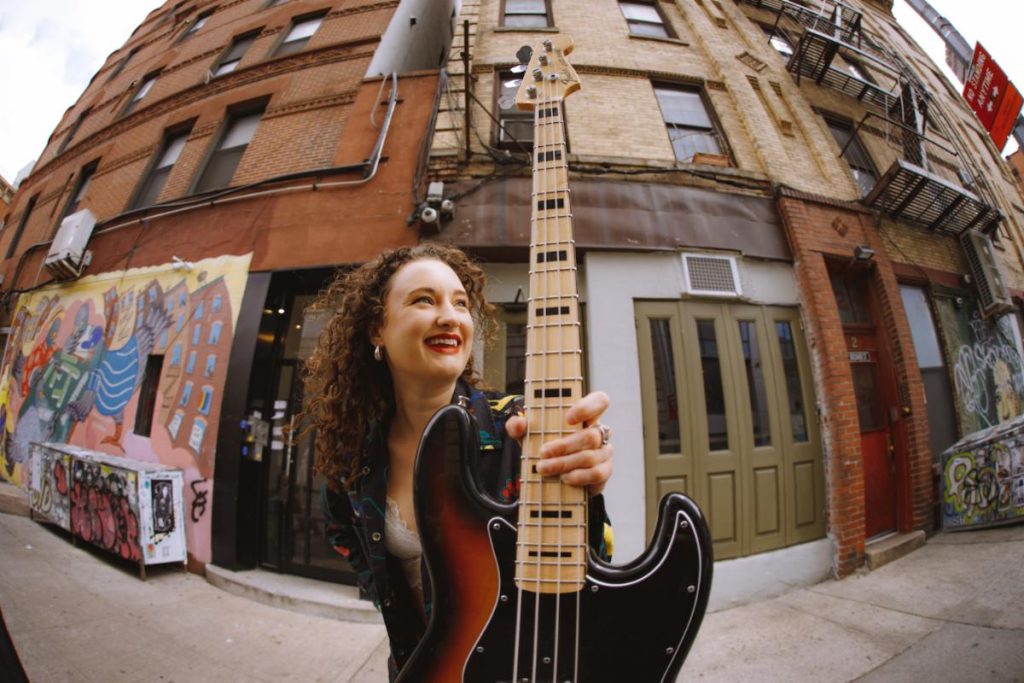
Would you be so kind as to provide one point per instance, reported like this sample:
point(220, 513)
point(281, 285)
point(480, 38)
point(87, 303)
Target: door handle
point(289, 449)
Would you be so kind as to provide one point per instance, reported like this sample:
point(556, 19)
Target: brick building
point(819, 248)
point(817, 242)
point(233, 155)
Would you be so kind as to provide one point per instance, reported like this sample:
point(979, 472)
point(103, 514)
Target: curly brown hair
point(346, 388)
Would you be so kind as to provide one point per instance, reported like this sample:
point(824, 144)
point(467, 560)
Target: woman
point(398, 348)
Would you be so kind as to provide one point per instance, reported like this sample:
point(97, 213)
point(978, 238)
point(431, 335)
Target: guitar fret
point(560, 324)
point(547, 525)
point(570, 269)
point(557, 215)
point(563, 352)
point(569, 378)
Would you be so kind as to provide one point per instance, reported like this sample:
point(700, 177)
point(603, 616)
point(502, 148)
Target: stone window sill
point(674, 41)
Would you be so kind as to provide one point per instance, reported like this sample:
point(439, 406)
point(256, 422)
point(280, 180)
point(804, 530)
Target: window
point(74, 129)
point(229, 61)
point(855, 154)
point(84, 178)
point(197, 24)
point(147, 395)
point(526, 14)
point(215, 329)
point(645, 19)
point(144, 88)
point(234, 140)
point(299, 34)
point(855, 70)
point(190, 365)
point(514, 123)
point(156, 178)
point(690, 127)
point(122, 64)
point(778, 41)
point(13, 246)
point(186, 394)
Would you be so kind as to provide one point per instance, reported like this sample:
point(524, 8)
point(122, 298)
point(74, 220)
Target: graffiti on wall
point(983, 478)
point(988, 373)
point(78, 355)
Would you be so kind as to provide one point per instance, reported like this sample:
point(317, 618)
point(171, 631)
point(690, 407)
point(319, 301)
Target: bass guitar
point(518, 595)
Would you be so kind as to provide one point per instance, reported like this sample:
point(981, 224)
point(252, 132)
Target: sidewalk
point(951, 611)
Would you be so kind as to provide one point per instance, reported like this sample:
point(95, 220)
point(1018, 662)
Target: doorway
point(874, 390)
point(729, 420)
point(292, 526)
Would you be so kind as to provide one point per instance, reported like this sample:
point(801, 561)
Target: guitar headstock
point(548, 77)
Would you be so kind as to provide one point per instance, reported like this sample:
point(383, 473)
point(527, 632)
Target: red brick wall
point(818, 233)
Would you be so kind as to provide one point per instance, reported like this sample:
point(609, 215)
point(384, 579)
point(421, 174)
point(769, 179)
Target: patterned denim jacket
point(356, 518)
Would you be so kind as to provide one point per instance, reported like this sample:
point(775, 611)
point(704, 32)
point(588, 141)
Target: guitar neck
point(552, 550)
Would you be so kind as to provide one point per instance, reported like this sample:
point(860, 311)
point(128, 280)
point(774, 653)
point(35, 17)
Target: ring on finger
point(606, 433)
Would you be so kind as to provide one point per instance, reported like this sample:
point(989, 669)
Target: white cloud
point(50, 50)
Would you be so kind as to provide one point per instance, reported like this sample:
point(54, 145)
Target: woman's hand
point(583, 458)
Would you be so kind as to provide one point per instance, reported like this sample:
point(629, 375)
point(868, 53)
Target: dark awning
point(621, 215)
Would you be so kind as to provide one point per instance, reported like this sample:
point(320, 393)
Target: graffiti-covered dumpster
point(130, 508)
point(983, 478)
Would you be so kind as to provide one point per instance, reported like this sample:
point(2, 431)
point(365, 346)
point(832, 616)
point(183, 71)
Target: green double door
point(730, 420)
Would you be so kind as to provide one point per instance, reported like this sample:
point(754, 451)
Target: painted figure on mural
point(45, 414)
point(131, 326)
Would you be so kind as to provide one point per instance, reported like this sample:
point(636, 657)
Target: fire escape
point(930, 182)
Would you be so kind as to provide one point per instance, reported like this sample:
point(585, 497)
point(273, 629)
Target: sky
point(50, 49)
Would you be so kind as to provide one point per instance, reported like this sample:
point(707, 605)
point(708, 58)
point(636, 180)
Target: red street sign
point(992, 97)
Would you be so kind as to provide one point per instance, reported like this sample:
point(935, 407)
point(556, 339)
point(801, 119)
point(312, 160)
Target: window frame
point(73, 131)
point(504, 13)
point(122, 64)
point(146, 405)
point(832, 122)
point(222, 59)
point(146, 179)
point(277, 50)
point(716, 130)
point(511, 145)
point(232, 115)
point(197, 24)
point(771, 32)
point(669, 30)
point(145, 83)
point(20, 230)
point(85, 176)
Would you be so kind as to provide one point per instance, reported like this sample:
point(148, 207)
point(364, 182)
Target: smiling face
point(427, 333)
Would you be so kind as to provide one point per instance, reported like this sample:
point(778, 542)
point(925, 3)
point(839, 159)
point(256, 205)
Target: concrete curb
point(13, 500)
point(295, 593)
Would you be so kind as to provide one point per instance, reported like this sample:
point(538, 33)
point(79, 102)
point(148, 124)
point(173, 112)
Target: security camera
point(428, 214)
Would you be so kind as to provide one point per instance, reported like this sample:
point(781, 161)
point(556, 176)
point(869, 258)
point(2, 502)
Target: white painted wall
point(611, 282)
point(407, 46)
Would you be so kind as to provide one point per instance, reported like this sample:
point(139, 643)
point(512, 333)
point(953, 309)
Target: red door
point(873, 409)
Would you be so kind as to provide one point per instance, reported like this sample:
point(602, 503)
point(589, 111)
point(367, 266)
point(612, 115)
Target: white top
point(404, 543)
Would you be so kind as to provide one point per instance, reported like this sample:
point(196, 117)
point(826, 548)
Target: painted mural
point(988, 373)
point(78, 354)
point(983, 477)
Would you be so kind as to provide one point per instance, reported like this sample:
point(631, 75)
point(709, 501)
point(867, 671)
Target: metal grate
point(715, 274)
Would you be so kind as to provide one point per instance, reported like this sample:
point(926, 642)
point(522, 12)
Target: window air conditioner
point(993, 295)
point(68, 257)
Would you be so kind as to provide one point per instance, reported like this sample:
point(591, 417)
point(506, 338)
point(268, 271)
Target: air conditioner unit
point(67, 255)
point(981, 257)
point(707, 275)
